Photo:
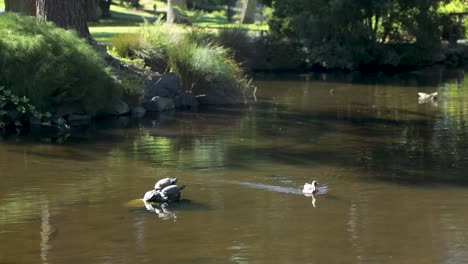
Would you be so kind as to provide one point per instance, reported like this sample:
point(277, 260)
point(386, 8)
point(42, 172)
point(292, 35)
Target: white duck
point(310, 188)
point(426, 96)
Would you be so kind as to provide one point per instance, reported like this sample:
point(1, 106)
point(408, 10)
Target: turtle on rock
point(161, 184)
point(171, 193)
point(165, 191)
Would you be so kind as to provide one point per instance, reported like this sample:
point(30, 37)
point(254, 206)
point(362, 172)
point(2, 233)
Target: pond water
point(395, 171)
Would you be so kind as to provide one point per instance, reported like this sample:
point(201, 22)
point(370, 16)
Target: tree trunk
point(70, 14)
point(248, 12)
point(135, 3)
point(25, 7)
point(174, 16)
point(91, 10)
point(105, 7)
point(230, 12)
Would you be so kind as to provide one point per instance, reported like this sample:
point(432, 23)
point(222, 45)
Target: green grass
point(52, 66)
point(126, 20)
point(197, 60)
point(106, 33)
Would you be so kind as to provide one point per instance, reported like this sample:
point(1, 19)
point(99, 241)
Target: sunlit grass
point(127, 20)
point(106, 33)
point(257, 27)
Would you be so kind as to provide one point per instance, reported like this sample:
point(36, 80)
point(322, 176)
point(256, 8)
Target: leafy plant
point(194, 55)
point(17, 112)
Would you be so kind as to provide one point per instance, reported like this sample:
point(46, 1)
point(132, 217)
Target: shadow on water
point(429, 77)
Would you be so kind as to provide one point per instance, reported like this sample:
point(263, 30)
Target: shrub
point(16, 112)
point(125, 44)
point(194, 56)
point(52, 66)
point(241, 44)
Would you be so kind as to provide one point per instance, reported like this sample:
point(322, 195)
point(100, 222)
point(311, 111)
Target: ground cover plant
point(52, 66)
point(189, 53)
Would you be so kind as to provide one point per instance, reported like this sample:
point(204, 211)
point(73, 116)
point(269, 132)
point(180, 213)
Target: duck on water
point(312, 188)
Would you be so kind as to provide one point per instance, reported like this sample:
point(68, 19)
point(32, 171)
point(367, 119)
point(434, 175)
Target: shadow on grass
point(120, 18)
point(105, 36)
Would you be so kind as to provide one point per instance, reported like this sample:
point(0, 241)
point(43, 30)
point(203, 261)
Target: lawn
point(127, 20)
point(105, 33)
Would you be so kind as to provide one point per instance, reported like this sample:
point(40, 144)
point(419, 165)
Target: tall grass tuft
point(194, 56)
point(52, 66)
point(126, 44)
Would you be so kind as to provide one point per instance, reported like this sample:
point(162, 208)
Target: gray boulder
point(117, 108)
point(138, 111)
point(186, 100)
point(220, 94)
point(158, 104)
point(69, 109)
point(121, 108)
point(167, 85)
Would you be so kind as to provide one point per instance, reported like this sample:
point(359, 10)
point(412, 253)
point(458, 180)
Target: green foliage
point(132, 87)
point(125, 44)
point(193, 56)
point(349, 34)
point(52, 66)
point(17, 112)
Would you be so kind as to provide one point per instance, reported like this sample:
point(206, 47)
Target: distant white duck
point(426, 96)
point(310, 188)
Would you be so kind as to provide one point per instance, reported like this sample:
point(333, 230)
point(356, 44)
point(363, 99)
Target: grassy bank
point(195, 56)
point(52, 66)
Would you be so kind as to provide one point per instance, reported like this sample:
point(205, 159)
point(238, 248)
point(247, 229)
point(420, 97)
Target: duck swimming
point(426, 96)
point(310, 188)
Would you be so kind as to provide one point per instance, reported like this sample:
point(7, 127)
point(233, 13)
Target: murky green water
point(396, 172)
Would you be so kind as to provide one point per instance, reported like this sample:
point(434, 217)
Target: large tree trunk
point(25, 7)
point(248, 11)
point(174, 16)
point(69, 14)
point(91, 10)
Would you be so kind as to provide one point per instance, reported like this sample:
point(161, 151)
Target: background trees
point(69, 14)
point(173, 14)
point(26, 7)
point(248, 11)
point(349, 34)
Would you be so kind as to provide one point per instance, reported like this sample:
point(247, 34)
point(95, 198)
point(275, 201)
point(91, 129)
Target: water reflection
point(161, 210)
point(46, 231)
